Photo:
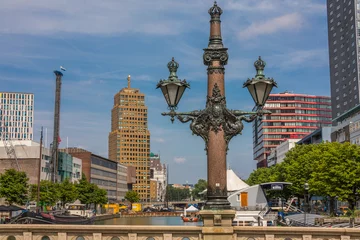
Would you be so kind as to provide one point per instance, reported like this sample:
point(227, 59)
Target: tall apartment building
point(344, 45)
point(16, 115)
point(293, 117)
point(129, 139)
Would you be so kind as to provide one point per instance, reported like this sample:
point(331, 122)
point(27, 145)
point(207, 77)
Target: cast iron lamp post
point(216, 124)
point(306, 199)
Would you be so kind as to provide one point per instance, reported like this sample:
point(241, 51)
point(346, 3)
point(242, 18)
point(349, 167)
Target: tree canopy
point(177, 194)
point(200, 186)
point(67, 192)
point(14, 186)
point(132, 196)
point(332, 170)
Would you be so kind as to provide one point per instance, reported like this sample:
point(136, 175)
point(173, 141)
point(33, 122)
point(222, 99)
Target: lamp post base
point(217, 203)
point(217, 218)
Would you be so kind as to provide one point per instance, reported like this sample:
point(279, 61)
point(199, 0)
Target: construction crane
point(56, 138)
point(9, 147)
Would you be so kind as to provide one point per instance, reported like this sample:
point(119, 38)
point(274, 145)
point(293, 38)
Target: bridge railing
point(131, 232)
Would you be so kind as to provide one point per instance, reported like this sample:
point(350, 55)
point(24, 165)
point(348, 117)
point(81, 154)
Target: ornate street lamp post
point(306, 199)
point(216, 124)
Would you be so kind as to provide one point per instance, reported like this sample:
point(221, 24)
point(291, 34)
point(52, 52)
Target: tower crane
point(9, 147)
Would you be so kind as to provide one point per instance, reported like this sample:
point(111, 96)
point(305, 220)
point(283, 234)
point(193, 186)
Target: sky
point(101, 42)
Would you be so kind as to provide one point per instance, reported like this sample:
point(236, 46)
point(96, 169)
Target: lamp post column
point(215, 57)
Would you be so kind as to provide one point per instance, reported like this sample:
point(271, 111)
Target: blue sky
point(101, 42)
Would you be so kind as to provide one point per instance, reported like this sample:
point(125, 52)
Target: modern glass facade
point(293, 117)
point(16, 115)
point(65, 166)
point(344, 45)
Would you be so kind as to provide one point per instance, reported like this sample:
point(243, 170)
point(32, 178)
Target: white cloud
point(275, 6)
point(301, 58)
point(96, 17)
point(179, 160)
point(159, 140)
point(288, 22)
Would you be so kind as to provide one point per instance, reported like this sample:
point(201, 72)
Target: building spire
point(129, 80)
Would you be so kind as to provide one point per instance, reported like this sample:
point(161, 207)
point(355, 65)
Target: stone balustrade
point(123, 232)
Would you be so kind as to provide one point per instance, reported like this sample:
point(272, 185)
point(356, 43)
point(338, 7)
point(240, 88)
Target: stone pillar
point(97, 236)
point(27, 235)
point(62, 236)
point(132, 236)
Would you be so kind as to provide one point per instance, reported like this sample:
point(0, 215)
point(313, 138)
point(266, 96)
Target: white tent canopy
point(192, 209)
point(234, 183)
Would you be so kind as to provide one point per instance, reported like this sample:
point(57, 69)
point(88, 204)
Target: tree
point(263, 175)
point(177, 194)
point(98, 195)
point(337, 173)
point(84, 190)
point(132, 196)
point(14, 186)
point(298, 166)
point(67, 192)
point(49, 192)
point(199, 187)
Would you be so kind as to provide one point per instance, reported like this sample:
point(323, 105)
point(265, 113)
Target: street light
point(173, 88)
point(306, 188)
point(260, 87)
point(216, 124)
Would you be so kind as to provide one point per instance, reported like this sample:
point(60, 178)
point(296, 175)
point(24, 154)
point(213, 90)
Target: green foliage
point(263, 175)
point(200, 186)
point(132, 196)
point(67, 192)
point(84, 190)
point(177, 194)
point(49, 192)
point(97, 195)
point(14, 186)
point(298, 166)
point(337, 171)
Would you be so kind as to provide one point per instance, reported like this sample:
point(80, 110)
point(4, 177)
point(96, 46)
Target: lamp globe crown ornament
point(173, 67)
point(215, 10)
point(259, 86)
point(259, 66)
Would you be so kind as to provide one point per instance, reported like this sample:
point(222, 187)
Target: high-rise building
point(129, 139)
point(16, 115)
point(344, 45)
point(293, 117)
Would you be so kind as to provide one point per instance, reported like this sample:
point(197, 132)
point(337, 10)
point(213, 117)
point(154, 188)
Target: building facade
point(122, 183)
point(28, 155)
point(16, 115)
point(129, 139)
point(293, 116)
point(318, 136)
point(158, 173)
point(76, 170)
point(65, 166)
point(153, 190)
point(343, 35)
point(98, 170)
